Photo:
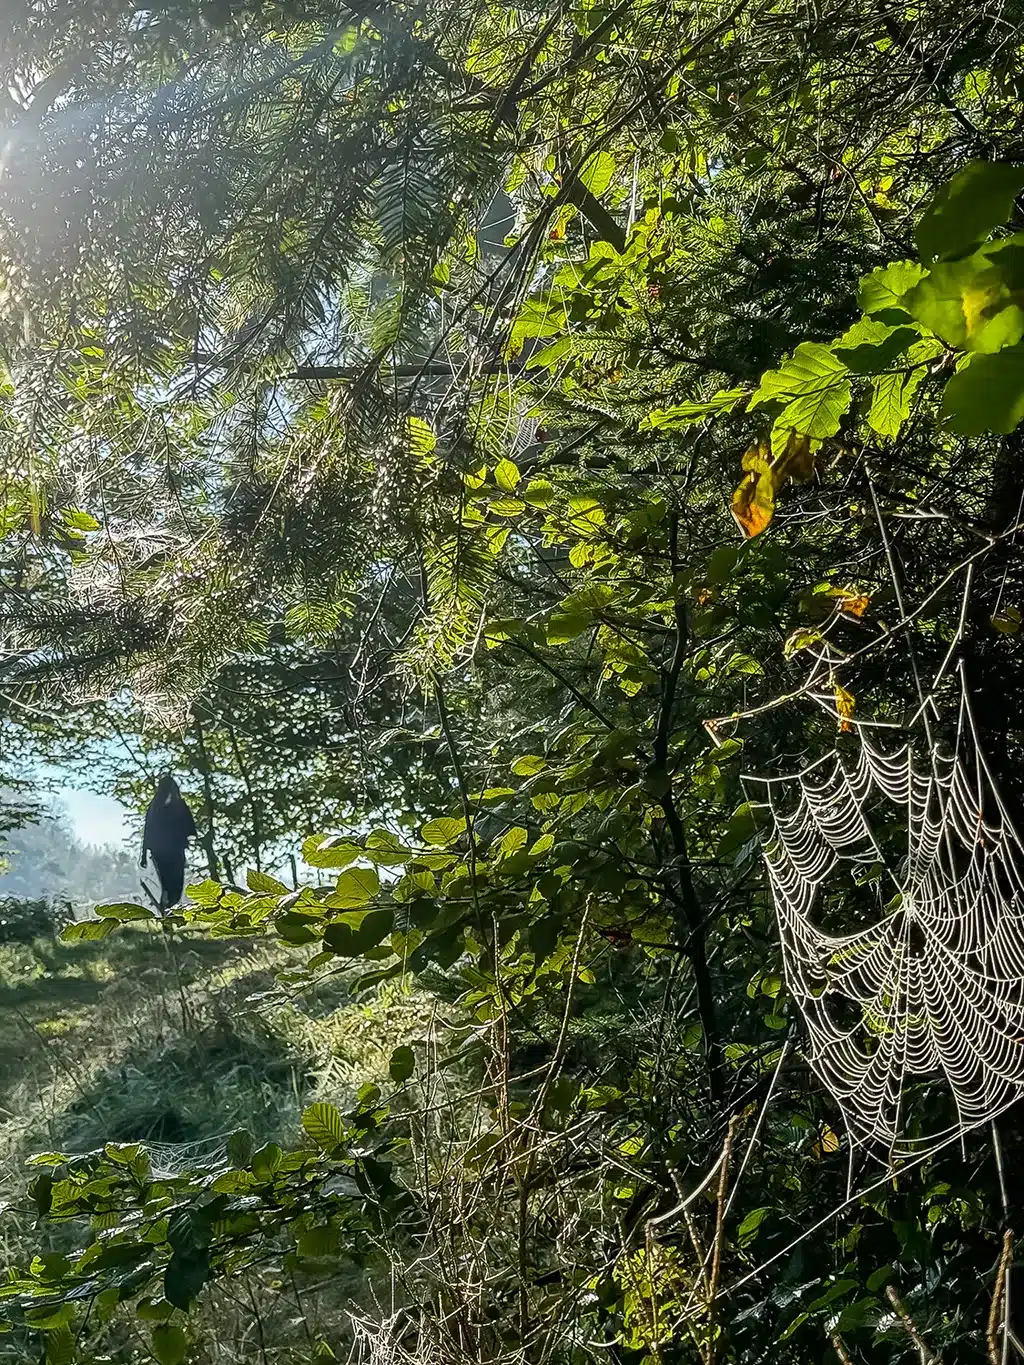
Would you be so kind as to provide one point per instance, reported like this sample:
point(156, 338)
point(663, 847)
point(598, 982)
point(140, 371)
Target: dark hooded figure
point(169, 826)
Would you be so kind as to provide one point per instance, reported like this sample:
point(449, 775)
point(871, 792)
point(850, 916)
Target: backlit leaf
point(883, 289)
point(844, 706)
point(324, 1124)
point(444, 832)
point(987, 394)
point(814, 385)
point(354, 888)
point(965, 211)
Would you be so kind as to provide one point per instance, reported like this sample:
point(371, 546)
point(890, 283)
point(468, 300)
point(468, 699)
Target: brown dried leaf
point(856, 604)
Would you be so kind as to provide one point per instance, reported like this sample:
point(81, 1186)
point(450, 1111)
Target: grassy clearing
point(138, 1038)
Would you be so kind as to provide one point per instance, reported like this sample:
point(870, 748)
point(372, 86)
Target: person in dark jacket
point(169, 826)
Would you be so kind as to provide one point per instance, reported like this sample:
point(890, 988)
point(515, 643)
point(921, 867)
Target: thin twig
point(995, 1355)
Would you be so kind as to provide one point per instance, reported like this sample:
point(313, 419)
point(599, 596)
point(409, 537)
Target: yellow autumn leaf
point(753, 503)
point(844, 706)
point(828, 1141)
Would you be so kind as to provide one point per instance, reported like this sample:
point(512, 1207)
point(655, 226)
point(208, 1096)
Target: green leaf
point(539, 492)
point(239, 1148)
point(78, 520)
point(813, 385)
point(170, 1345)
point(259, 881)
point(266, 1160)
point(863, 1313)
point(871, 346)
point(444, 832)
point(507, 475)
point(528, 765)
point(324, 1124)
point(598, 172)
point(153, 1310)
point(60, 1347)
point(402, 1064)
point(51, 1318)
point(88, 930)
point(878, 1277)
point(349, 941)
point(1006, 622)
point(721, 563)
point(354, 889)
point(564, 627)
point(747, 1230)
point(329, 850)
point(976, 303)
point(685, 414)
point(741, 828)
point(977, 200)
point(513, 840)
point(883, 288)
point(184, 1278)
point(124, 911)
point(891, 399)
point(987, 394)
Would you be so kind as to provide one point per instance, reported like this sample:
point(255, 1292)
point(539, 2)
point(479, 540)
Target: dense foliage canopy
point(459, 439)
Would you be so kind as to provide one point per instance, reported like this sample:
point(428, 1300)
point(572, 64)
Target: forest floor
point(179, 1041)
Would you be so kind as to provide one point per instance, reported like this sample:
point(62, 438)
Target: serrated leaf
point(324, 1124)
point(883, 288)
point(892, 397)
point(871, 346)
point(60, 1347)
point(976, 303)
point(88, 930)
point(685, 414)
point(814, 386)
point(239, 1148)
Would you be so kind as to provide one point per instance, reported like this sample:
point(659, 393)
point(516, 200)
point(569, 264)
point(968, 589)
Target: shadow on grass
point(234, 1073)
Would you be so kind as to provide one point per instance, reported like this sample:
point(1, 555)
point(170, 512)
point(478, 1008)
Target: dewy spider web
point(934, 986)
